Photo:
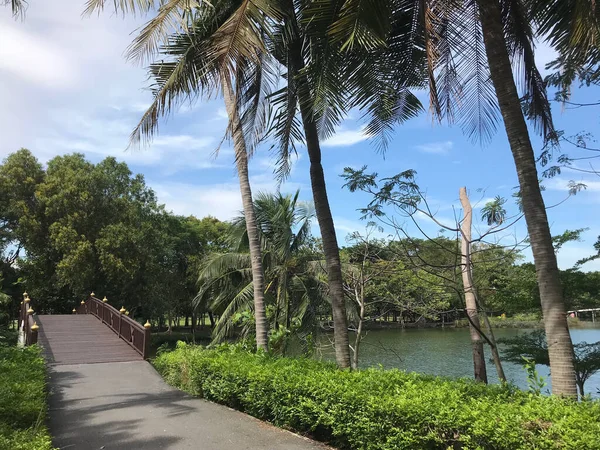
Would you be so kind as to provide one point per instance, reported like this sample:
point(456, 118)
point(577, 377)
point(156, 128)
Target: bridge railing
point(132, 332)
point(27, 323)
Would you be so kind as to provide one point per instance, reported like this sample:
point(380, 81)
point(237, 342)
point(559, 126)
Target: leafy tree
point(377, 280)
point(85, 227)
point(533, 346)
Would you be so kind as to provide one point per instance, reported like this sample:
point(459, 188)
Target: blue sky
point(65, 87)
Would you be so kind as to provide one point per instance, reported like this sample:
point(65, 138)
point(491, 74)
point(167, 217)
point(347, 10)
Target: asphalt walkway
point(127, 405)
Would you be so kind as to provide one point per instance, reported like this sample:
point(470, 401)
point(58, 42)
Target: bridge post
point(146, 351)
point(34, 333)
point(121, 312)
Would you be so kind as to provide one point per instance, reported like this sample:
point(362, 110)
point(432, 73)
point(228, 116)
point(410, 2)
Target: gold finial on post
point(147, 325)
point(83, 302)
point(92, 294)
point(35, 326)
point(104, 300)
point(27, 299)
point(74, 311)
point(122, 310)
point(25, 294)
point(126, 313)
point(30, 311)
point(21, 302)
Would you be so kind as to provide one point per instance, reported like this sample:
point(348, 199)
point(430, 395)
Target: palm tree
point(560, 346)
point(293, 292)
point(573, 30)
point(209, 49)
point(493, 212)
point(468, 44)
point(323, 83)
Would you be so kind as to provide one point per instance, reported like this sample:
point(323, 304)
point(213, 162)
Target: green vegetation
point(380, 409)
point(22, 399)
point(533, 347)
point(97, 227)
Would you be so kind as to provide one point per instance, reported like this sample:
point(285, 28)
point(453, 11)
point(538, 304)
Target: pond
point(447, 352)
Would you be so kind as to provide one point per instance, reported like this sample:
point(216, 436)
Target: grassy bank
point(380, 409)
point(515, 321)
point(23, 400)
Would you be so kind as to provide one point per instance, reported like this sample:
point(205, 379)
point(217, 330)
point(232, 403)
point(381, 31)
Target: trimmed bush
point(381, 409)
point(23, 400)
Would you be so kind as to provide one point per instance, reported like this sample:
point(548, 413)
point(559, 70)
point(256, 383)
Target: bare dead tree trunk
point(470, 300)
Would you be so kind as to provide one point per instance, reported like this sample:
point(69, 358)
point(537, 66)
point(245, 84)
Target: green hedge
point(23, 400)
point(381, 409)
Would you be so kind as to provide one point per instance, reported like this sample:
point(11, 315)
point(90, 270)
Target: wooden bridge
point(96, 332)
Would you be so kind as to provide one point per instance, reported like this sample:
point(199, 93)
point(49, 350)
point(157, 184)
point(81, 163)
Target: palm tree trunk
point(322, 209)
point(241, 160)
point(560, 347)
point(470, 300)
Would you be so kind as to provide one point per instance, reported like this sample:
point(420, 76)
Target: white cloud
point(345, 227)
point(31, 57)
point(572, 252)
point(346, 138)
point(562, 184)
point(544, 53)
point(437, 148)
point(222, 201)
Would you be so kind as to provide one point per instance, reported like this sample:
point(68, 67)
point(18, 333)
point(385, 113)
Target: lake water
point(448, 352)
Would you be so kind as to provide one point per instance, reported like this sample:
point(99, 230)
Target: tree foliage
point(86, 227)
point(533, 346)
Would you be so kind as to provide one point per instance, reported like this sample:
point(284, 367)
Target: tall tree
point(560, 346)
point(210, 48)
point(467, 44)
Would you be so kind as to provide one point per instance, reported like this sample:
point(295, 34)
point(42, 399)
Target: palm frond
point(242, 300)
point(172, 17)
point(365, 23)
point(478, 109)
point(133, 7)
point(572, 28)
point(520, 43)
point(17, 6)
point(177, 81)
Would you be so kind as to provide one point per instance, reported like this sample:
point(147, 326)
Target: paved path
point(127, 405)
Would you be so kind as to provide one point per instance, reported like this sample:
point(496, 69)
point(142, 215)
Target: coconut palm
point(293, 294)
point(321, 85)
point(473, 48)
point(572, 28)
point(493, 212)
point(208, 49)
